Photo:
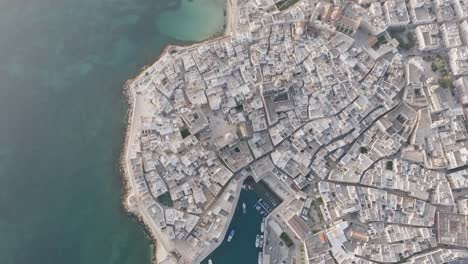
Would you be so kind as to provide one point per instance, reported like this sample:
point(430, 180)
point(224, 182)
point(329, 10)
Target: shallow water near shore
point(62, 67)
point(188, 22)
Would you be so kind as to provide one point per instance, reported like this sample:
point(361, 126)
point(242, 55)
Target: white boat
point(231, 235)
point(260, 258)
point(257, 241)
point(210, 261)
point(262, 226)
point(244, 208)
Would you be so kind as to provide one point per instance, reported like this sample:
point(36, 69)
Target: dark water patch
point(247, 226)
point(242, 248)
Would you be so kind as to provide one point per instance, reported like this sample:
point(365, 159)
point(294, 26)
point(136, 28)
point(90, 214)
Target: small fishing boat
point(231, 235)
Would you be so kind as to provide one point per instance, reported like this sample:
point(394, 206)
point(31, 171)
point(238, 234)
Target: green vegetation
point(240, 108)
point(389, 165)
point(439, 65)
point(410, 40)
point(397, 30)
point(303, 256)
point(165, 199)
point(184, 132)
point(380, 40)
point(286, 239)
point(319, 201)
point(445, 81)
point(363, 150)
point(285, 4)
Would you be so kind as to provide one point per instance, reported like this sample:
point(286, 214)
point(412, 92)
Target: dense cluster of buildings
point(320, 97)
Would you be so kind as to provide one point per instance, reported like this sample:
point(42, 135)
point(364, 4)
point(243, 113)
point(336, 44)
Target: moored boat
point(231, 235)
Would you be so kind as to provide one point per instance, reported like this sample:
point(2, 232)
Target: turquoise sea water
point(62, 67)
point(178, 23)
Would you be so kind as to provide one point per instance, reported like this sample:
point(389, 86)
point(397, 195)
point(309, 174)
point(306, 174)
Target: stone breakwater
point(123, 169)
point(122, 157)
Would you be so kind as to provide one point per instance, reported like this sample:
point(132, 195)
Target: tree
point(445, 81)
point(286, 239)
point(184, 132)
point(363, 150)
point(389, 165)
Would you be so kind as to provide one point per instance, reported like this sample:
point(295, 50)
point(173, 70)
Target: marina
point(246, 244)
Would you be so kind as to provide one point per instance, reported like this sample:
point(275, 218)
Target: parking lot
point(275, 247)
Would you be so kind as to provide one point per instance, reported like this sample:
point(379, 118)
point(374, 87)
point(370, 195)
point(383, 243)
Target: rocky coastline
point(130, 101)
point(126, 188)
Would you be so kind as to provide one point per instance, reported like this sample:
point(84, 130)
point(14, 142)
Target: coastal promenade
point(138, 108)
